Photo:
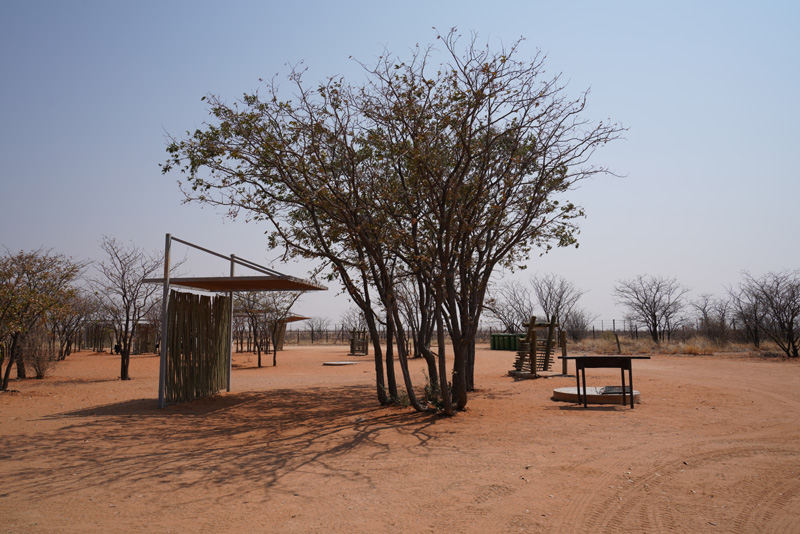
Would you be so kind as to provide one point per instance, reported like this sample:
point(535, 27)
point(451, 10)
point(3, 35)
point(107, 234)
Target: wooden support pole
point(564, 353)
point(550, 342)
point(230, 327)
point(162, 371)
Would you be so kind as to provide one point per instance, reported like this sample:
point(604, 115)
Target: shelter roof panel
point(243, 283)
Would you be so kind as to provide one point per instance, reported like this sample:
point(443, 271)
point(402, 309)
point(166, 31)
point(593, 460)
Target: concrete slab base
point(595, 395)
point(339, 363)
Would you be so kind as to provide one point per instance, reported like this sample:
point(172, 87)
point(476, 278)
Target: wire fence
point(624, 328)
point(340, 335)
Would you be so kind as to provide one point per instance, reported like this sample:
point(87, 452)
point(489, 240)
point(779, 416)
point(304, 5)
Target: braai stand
point(622, 363)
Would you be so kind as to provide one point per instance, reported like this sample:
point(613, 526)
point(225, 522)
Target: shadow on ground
point(250, 439)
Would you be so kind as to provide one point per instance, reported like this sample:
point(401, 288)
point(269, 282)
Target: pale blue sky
point(709, 91)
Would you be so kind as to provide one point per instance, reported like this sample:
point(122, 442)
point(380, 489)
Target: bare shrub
point(577, 323)
point(39, 352)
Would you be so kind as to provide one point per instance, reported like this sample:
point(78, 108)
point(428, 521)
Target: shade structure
point(294, 318)
point(242, 283)
point(269, 280)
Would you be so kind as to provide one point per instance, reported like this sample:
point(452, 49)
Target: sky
point(707, 185)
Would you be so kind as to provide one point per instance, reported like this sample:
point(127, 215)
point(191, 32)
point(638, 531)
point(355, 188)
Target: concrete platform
point(595, 395)
point(339, 363)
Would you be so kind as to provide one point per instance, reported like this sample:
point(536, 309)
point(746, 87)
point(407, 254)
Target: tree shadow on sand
point(229, 441)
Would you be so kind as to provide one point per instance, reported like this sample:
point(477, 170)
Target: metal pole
point(162, 371)
point(230, 344)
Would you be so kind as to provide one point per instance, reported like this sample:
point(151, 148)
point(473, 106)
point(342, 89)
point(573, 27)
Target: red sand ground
point(713, 447)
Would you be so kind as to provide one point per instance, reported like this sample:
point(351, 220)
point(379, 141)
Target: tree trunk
point(402, 356)
point(257, 346)
point(459, 374)
point(20, 364)
point(274, 337)
point(470, 366)
point(392, 381)
point(380, 381)
point(125, 360)
point(433, 373)
point(11, 359)
point(444, 390)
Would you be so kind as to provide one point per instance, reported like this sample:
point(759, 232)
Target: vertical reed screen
point(198, 338)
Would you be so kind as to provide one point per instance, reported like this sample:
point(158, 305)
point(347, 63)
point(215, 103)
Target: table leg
point(585, 397)
point(622, 372)
point(630, 379)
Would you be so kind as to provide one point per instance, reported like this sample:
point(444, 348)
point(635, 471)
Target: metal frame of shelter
point(270, 281)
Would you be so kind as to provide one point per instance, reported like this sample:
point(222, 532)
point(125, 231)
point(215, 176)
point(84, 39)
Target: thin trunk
point(470, 365)
point(12, 353)
point(433, 373)
point(443, 387)
point(459, 374)
point(20, 365)
point(380, 381)
point(390, 360)
point(274, 339)
point(402, 355)
point(125, 358)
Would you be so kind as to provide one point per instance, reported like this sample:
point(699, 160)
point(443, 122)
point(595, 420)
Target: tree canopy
point(435, 172)
point(32, 285)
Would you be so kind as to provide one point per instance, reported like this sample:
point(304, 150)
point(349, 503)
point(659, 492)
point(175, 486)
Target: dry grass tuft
point(695, 346)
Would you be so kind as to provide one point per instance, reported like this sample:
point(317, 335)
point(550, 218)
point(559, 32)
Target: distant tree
point(511, 303)
point(266, 313)
point(252, 307)
point(69, 320)
point(748, 311)
point(577, 322)
point(353, 319)
point(654, 301)
point(778, 294)
point(32, 284)
point(712, 317)
point(557, 296)
point(153, 321)
point(279, 307)
point(124, 296)
point(318, 326)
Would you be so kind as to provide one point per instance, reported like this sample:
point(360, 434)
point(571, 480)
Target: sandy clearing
point(302, 447)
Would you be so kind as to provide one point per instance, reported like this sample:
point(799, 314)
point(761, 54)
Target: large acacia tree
point(438, 170)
